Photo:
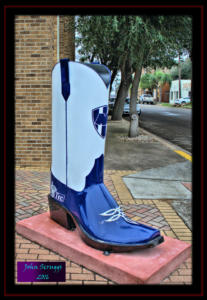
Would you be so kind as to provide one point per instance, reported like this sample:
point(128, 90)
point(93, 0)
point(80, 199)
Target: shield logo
point(99, 117)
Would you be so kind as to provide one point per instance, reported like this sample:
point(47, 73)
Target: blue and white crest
point(99, 116)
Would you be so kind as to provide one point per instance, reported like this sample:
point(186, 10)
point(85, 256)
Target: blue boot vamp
point(88, 207)
point(93, 202)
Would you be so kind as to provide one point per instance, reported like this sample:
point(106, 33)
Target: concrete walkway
point(162, 170)
point(165, 183)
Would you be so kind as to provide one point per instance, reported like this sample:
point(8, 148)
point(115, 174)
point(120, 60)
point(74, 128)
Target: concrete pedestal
point(146, 266)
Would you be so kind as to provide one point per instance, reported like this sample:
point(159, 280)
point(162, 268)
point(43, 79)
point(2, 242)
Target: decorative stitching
point(115, 214)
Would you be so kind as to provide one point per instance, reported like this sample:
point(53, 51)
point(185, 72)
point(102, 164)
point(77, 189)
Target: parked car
point(126, 110)
point(111, 105)
point(147, 98)
point(182, 101)
point(127, 107)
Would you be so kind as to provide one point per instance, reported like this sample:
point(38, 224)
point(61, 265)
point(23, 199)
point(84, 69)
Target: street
point(170, 123)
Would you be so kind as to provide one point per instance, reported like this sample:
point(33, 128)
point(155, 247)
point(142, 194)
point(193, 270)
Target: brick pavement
point(32, 188)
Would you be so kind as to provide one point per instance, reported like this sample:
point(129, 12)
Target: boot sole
point(66, 219)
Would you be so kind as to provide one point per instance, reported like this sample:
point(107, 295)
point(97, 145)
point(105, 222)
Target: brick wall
point(165, 93)
point(35, 55)
point(67, 39)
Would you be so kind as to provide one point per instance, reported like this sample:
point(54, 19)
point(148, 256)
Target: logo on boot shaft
point(99, 117)
point(55, 194)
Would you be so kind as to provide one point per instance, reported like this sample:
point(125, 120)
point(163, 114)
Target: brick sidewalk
point(32, 188)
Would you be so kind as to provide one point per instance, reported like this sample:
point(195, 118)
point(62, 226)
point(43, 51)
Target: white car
point(182, 101)
point(127, 107)
point(146, 98)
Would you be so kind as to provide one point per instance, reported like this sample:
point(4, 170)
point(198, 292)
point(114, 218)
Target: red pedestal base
point(146, 266)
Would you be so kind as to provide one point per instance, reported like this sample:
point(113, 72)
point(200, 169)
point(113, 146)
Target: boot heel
point(60, 215)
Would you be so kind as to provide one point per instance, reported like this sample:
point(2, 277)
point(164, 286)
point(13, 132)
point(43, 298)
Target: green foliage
point(155, 80)
point(186, 70)
point(129, 42)
point(146, 81)
point(178, 31)
point(153, 40)
point(166, 78)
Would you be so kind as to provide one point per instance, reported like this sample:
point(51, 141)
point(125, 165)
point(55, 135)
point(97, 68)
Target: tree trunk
point(134, 125)
point(160, 94)
point(191, 90)
point(113, 75)
point(126, 77)
point(119, 103)
point(179, 77)
point(156, 93)
point(134, 120)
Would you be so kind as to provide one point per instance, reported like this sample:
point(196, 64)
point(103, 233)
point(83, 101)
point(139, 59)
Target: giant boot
point(78, 197)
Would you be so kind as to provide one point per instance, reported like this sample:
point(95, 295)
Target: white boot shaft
point(77, 139)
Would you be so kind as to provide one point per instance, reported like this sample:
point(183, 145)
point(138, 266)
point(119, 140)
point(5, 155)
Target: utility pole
point(179, 76)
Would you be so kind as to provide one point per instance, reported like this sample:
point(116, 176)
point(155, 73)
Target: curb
point(163, 141)
point(166, 143)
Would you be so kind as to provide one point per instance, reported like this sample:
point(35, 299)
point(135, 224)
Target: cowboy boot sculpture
point(78, 197)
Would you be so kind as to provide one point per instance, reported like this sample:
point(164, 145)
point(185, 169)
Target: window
point(176, 95)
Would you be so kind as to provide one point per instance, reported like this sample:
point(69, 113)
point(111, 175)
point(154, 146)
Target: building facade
point(40, 41)
point(164, 93)
point(185, 86)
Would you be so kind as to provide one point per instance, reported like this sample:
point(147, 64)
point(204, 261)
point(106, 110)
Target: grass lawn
point(167, 104)
point(189, 105)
